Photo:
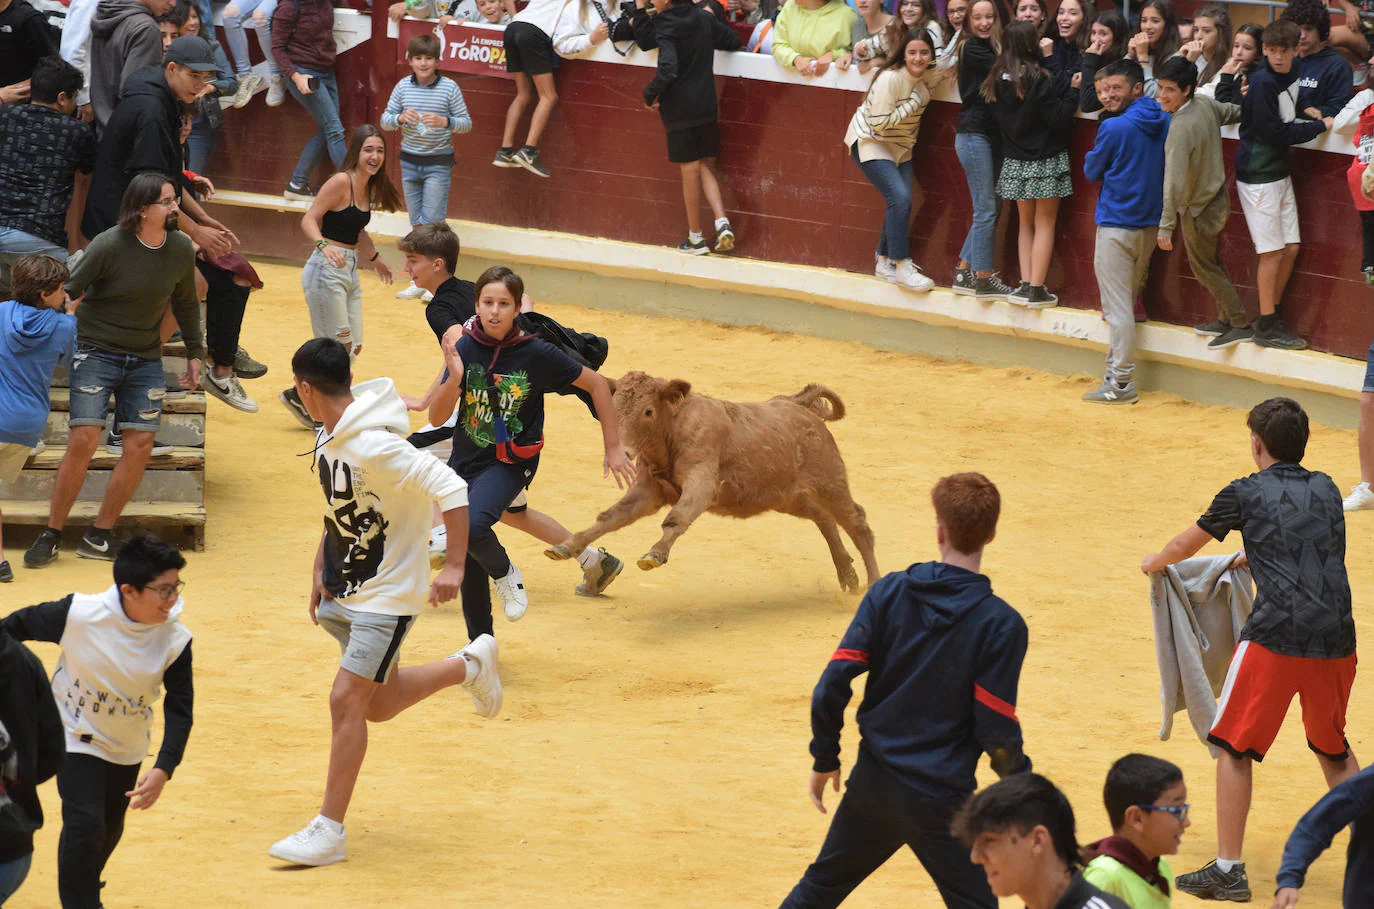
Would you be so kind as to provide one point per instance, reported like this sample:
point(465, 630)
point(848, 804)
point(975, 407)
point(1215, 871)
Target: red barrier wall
point(792, 192)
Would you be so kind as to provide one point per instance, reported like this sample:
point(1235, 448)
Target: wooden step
point(181, 458)
point(184, 429)
point(180, 486)
point(60, 399)
point(190, 518)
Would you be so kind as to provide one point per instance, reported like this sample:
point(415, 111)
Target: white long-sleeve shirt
point(568, 23)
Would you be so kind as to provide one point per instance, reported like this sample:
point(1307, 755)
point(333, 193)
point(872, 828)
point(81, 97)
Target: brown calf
point(699, 454)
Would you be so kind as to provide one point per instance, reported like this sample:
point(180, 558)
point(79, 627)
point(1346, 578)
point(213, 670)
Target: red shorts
point(1260, 685)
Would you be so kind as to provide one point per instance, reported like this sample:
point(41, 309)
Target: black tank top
point(344, 225)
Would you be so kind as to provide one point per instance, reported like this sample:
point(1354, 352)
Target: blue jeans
point(200, 144)
point(137, 384)
point(13, 240)
point(980, 170)
point(489, 493)
point(894, 182)
point(238, 39)
point(12, 876)
point(426, 189)
point(323, 105)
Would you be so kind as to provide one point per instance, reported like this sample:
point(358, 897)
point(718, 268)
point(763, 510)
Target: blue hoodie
point(32, 341)
point(1128, 157)
point(1350, 803)
point(943, 656)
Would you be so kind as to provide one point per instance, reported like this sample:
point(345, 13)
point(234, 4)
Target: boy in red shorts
point(1300, 639)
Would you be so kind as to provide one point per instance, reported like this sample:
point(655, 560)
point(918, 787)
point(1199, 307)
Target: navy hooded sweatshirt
point(1128, 157)
point(1268, 122)
point(1324, 82)
point(1352, 802)
point(943, 656)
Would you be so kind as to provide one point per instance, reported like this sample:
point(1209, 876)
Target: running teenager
point(371, 574)
point(921, 634)
point(1300, 638)
point(502, 374)
point(336, 224)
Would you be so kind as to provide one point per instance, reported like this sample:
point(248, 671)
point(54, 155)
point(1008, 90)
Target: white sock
point(694, 236)
point(1227, 864)
point(471, 669)
point(721, 224)
point(589, 557)
point(333, 827)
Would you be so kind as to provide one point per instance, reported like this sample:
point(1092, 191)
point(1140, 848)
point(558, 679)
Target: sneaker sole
point(296, 860)
point(249, 374)
point(308, 424)
point(1273, 346)
point(704, 251)
point(40, 564)
point(538, 172)
point(726, 243)
point(298, 197)
point(916, 288)
point(1207, 334)
point(93, 555)
point(511, 163)
point(249, 406)
point(1228, 343)
point(992, 298)
point(1050, 304)
point(602, 583)
point(1115, 403)
point(963, 291)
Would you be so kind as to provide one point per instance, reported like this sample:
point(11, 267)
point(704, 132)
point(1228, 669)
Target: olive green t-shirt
point(127, 285)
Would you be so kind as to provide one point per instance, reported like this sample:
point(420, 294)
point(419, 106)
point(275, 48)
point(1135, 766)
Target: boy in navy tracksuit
point(1352, 802)
point(943, 654)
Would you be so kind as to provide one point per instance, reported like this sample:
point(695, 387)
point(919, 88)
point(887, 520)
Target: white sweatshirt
point(109, 676)
point(378, 489)
point(568, 23)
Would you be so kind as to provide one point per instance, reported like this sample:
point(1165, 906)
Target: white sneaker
point(413, 292)
point(883, 268)
point(908, 275)
point(426, 297)
point(1360, 498)
point(315, 845)
point(276, 92)
point(228, 390)
point(485, 686)
point(438, 547)
point(511, 590)
point(249, 85)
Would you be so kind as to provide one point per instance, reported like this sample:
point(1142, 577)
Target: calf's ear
point(675, 390)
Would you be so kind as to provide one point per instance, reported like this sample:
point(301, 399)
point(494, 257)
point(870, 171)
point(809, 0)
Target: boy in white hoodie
point(371, 574)
point(119, 648)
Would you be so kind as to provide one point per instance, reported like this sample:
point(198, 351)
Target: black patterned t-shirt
point(1294, 531)
point(41, 150)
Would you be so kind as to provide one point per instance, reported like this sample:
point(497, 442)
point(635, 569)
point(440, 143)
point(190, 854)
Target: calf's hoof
point(558, 553)
point(650, 561)
point(849, 579)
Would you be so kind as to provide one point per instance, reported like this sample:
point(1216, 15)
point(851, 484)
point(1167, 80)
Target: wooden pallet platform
point(189, 518)
point(182, 457)
point(60, 400)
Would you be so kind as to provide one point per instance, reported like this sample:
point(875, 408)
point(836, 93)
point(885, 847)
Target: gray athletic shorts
point(371, 643)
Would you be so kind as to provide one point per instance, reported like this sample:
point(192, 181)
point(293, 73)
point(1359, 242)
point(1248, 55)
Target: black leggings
point(225, 303)
point(93, 807)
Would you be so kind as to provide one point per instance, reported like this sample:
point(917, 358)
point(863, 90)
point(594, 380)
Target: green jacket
point(1193, 169)
point(1110, 876)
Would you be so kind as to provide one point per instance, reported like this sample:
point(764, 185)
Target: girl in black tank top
point(336, 223)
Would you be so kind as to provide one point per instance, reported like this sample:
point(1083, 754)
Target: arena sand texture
point(653, 747)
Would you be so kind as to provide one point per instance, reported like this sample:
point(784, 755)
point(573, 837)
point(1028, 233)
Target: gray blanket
point(1199, 606)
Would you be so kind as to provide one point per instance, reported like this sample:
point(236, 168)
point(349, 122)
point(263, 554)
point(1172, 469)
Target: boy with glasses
point(119, 648)
point(1147, 805)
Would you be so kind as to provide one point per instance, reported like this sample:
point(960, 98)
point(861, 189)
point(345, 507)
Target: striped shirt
point(442, 97)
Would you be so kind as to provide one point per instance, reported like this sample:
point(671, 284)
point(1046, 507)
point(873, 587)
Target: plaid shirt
point(40, 152)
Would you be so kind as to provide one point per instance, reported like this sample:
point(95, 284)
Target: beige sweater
point(1193, 169)
point(886, 123)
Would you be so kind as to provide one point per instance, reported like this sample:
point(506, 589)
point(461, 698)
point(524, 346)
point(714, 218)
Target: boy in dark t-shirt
point(1300, 638)
point(497, 378)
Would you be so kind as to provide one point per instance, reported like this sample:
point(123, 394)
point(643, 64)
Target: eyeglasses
point(1180, 812)
point(166, 203)
point(167, 591)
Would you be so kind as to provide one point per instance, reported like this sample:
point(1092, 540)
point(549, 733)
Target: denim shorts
point(137, 384)
point(1369, 371)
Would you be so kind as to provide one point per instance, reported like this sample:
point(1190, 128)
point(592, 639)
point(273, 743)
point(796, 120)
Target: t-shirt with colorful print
point(522, 375)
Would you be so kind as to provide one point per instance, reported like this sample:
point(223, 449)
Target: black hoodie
point(25, 38)
point(142, 137)
point(684, 85)
point(943, 656)
point(37, 745)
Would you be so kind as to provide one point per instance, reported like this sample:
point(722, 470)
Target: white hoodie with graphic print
point(378, 489)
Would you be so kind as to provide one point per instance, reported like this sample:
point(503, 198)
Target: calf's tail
point(822, 400)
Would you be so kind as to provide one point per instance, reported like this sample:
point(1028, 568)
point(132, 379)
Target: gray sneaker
point(596, 579)
point(1213, 328)
point(505, 157)
point(1231, 337)
point(1111, 393)
point(1038, 297)
point(228, 390)
point(963, 282)
point(245, 367)
point(97, 544)
point(1278, 336)
point(1019, 296)
point(292, 402)
point(991, 288)
point(528, 158)
point(1211, 883)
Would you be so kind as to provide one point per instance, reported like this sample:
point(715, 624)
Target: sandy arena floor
point(653, 748)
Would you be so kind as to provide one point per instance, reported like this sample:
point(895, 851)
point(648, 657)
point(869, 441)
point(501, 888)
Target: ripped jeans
point(335, 298)
point(137, 384)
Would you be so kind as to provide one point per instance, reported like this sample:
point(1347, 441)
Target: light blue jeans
point(238, 39)
point(12, 876)
point(980, 170)
point(335, 298)
point(323, 105)
point(17, 241)
point(426, 189)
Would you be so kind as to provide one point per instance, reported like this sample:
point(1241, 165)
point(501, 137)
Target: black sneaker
point(97, 544)
point(1231, 337)
point(963, 282)
point(505, 157)
point(1211, 883)
point(6, 573)
point(116, 445)
point(528, 158)
point(1213, 328)
point(1278, 336)
point(990, 288)
point(1039, 297)
point(1368, 272)
point(1020, 295)
point(298, 192)
point(292, 402)
point(245, 367)
point(725, 238)
point(43, 551)
point(693, 247)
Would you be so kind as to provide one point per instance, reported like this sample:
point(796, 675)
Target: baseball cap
point(194, 52)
